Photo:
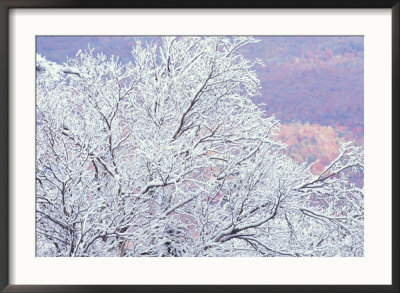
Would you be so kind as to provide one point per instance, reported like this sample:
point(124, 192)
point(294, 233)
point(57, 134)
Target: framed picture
point(199, 149)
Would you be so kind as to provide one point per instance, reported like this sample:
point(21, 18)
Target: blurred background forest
point(313, 85)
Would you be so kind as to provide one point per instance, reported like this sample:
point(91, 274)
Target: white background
point(374, 268)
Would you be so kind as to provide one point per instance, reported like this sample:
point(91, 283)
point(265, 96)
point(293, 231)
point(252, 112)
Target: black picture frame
point(6, 5)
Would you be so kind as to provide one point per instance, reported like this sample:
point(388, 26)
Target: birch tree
point(167, 155)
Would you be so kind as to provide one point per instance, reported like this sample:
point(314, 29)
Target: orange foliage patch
point(312, 143)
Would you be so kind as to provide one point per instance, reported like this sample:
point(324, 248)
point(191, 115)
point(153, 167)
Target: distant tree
point(168, 156)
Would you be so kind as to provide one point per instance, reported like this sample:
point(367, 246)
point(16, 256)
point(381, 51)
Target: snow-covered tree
point(169, 156)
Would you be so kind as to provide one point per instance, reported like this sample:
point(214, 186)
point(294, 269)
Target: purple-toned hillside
point(314, 79)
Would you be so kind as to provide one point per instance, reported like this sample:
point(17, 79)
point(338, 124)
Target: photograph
point(199, 146)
